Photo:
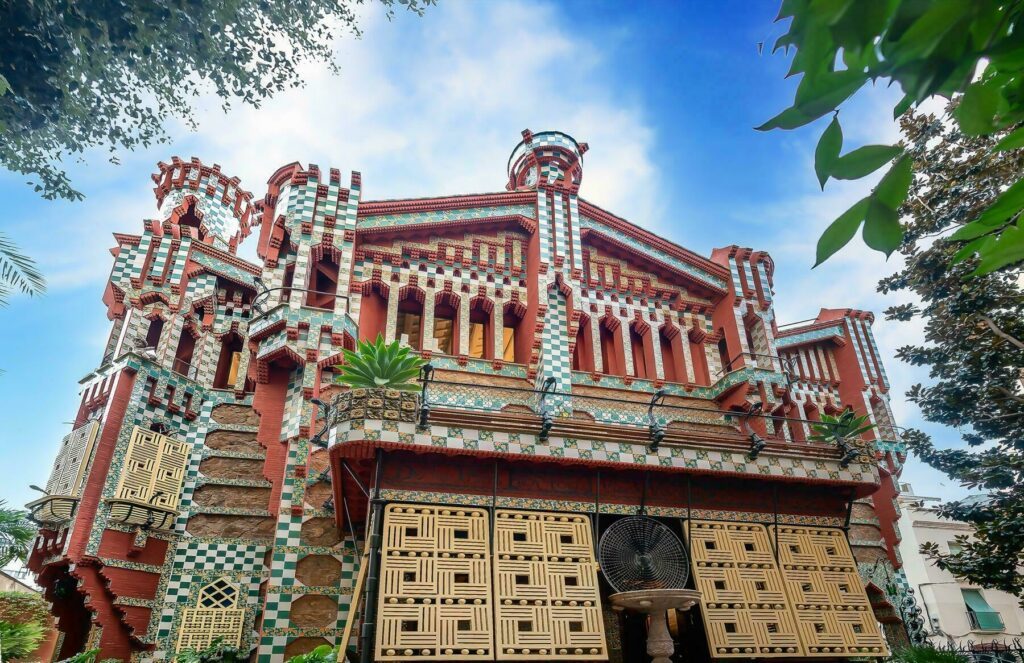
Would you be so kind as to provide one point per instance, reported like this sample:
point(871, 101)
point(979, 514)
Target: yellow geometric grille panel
point(435, 592)
point(545, 588)
point(744, 603)
point(826, 594)
point(154, 470)
point(217, 617)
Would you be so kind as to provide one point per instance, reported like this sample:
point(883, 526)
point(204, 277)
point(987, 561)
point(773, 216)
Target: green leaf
point(925, 34)
point(882, 230)
point(892, 189)
point(4, 86)
point(841, 231)
point(791, 118)
point(864, 161)
point(1005, 249)
point(820, 94)
point(977, 109)
point(905, 103)
point(1011, 142)
point(828, 149)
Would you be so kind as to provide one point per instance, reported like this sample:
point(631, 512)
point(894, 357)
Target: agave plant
point(840, 430)
point(380, 365)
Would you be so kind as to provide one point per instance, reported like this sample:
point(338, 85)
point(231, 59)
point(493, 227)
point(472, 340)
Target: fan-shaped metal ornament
point(638, 553)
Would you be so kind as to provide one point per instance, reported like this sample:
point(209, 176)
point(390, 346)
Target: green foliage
point(88, 656)
point(16, 534)
point(926, 654)
point(19, 640)
point(17, 272)
point(939, 48)
point(322, 654)
point(76, 75)
point(18, 607)
point(839, 430)
point(216, 652)
point(380, 365)
point(973, 342)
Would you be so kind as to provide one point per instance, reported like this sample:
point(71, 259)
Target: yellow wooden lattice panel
point(548, 604)
point(217, 616)
point(153, 471)
point(826, 593)
point(435, 589)
point(744, 602)
point(72, 459)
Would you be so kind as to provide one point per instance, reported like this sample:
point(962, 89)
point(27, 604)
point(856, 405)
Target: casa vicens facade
point(587, 380)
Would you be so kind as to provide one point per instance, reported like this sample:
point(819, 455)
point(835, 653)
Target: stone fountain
point(655, 603)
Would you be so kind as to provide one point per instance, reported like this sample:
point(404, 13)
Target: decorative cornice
point(412, 205)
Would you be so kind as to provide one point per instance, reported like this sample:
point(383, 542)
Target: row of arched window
point(644, 342)
point(445, 334)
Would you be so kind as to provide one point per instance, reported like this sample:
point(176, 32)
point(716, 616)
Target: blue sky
point(666, 93)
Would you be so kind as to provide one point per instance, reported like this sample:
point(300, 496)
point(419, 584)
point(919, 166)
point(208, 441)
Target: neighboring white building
point(954, 610)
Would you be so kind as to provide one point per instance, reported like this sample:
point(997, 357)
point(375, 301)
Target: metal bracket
point(426, 375)
point(330, 416)
point(757, 444)
point(546, 418)
point(656, 429)
point(850, 453)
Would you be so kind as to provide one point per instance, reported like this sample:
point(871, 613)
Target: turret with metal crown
point(549, 159)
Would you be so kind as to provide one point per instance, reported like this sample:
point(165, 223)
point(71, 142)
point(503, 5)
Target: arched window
point(613, 360)
point(323, 282)
point(286, 283)
point(231, 346)
point(156, 328)
point(670, 340)
point(514, 341)
point(446, 323)
point(583, 350)
point(701, 372)
point(183, 355)
point(481, 328)
point(641, 350)
point(409, 327)
point(373, 311)
point(723, 355)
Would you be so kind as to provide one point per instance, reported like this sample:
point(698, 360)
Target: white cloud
point(423, 106)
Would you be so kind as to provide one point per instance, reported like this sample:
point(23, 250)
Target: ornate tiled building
point(217, 483)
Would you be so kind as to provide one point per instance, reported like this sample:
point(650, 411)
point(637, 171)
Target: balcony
point(52, 510)
point(985, 620)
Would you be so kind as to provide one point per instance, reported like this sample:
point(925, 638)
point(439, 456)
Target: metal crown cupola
point(549, 159)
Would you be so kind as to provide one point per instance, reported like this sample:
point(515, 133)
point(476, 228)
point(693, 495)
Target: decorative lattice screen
point(217, 615)
point(545, 588)
point(744, 603)
point(153, 473)
point(827, 596)
point(435, 591)
point(73, 456)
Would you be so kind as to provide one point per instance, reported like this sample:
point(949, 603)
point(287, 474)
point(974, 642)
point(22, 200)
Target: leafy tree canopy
point(938, 47)
point(973, 341)
point(75, 75)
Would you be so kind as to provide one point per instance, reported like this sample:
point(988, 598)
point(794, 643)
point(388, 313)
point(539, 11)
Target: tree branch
point(1000, 333)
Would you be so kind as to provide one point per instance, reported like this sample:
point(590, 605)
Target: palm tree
point(18, 272)
point(380, 365)
point(19, 640)
point(16, 534)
